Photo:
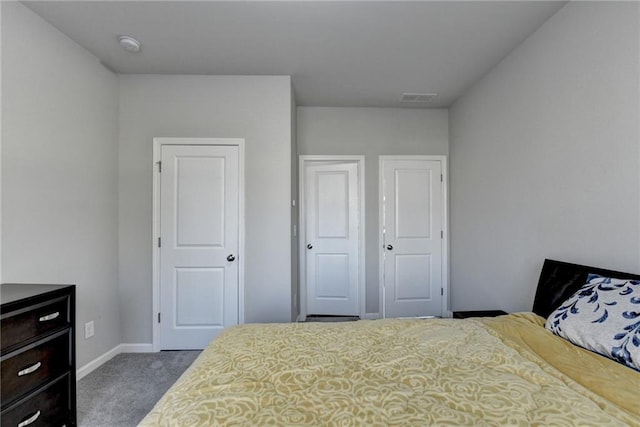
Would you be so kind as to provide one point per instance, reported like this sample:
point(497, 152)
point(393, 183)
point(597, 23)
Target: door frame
point(445, 228)
point(362, 297)
point(157, 153)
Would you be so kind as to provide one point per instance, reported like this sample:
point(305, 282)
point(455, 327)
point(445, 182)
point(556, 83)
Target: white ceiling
point(339, 53)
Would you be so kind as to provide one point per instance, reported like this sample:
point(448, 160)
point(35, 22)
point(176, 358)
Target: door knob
point(390, 247)
point(309, 246)
point(231, 258)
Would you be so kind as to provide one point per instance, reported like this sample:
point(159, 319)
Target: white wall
point(59, 171)
point(372, 132)
point(255, 108)
point(545, 158)
point(0, 149)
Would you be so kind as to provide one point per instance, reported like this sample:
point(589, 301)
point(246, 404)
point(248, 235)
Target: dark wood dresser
point(37, 355)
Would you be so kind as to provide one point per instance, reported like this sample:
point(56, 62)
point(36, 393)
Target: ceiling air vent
point(417, 98)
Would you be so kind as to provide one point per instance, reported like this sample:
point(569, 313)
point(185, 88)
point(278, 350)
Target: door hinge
point(158, 317)
point(441, 292)
point(441, 178)
point(159, 167)
point(442, 234)
point(159, 242)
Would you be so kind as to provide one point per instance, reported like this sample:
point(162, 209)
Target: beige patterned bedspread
point(378, 373)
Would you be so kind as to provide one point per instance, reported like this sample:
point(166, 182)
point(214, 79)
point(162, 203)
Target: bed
point(507, 370)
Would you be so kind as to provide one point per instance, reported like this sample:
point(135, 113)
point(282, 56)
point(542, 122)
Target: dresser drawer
point(23, 325)
point(49, 407)
point(31, 367)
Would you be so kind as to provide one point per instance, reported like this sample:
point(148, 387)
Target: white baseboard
point(136, 348)
point(96, 363)
point(101, 360)
point(374, 316)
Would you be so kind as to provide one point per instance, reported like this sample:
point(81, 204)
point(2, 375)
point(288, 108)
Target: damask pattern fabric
point(403, 372)
point(602, 316)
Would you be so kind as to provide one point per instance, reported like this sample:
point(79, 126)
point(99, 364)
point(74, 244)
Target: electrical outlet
point(88, 330)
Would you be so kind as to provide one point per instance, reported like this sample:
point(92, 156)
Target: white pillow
point(603, 316)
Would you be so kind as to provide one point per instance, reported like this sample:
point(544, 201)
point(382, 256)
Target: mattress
point(485, 372)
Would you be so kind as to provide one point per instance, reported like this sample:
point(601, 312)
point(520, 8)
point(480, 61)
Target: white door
point(199, 224)
point(332, 244)
point(412, 221)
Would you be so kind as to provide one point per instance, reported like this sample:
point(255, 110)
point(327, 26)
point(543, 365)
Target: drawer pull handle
point(50, 316)
point(29, 420)
point(30, 369)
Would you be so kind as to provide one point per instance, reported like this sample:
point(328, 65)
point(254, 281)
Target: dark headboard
point(559, 280)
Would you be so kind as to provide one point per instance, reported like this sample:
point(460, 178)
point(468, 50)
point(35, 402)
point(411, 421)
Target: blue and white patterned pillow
point(603, 316)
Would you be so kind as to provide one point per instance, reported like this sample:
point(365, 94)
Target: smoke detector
point(129, 44)
point(417, 98)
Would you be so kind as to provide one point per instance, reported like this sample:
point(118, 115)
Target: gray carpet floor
point(123, 390)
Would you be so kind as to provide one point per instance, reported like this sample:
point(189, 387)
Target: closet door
point(412, 236)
